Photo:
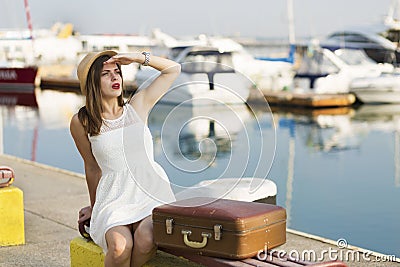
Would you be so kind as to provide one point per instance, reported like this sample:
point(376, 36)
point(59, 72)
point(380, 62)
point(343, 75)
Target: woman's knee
point(119, 246)
point(120, 249)
point(144, 241)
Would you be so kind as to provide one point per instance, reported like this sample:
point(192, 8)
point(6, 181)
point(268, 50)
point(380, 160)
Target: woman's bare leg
point(144, 248)
point(120, 243)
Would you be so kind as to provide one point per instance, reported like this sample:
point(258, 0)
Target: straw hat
point(86, 63)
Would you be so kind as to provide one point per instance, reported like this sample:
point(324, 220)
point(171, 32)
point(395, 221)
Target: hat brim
point(86, 63)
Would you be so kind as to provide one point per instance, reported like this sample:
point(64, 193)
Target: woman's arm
point(147, 98)
point(92, 169)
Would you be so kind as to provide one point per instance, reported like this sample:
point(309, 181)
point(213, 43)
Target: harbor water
point(337, 171)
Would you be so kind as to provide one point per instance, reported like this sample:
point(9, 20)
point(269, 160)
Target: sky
point(249, 18)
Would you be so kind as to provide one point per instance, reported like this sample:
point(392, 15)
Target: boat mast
point(290, 14)
point(292, 35)
point(29, 22)
point(28, 18)
point(392, 18)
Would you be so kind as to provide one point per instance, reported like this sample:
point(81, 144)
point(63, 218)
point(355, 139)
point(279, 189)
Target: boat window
point(316, 64)
point(350, 37)
point(356, 38)
point(175, 51)
point(353, 56)
point(205, 62)
point(84, 45)
point(111, 47)
point(393, 35)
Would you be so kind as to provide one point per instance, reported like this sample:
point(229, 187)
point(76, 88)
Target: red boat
point(17, 86)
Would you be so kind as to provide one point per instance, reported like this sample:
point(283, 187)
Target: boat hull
point(377, 96)
point(384, 89)
point(17, 86)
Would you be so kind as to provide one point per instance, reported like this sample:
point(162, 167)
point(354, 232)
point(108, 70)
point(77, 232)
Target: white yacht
point(341, 70)
point(265, 74)
point(207, 74)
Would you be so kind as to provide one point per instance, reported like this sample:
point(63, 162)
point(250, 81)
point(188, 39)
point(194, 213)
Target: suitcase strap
point(195, 244)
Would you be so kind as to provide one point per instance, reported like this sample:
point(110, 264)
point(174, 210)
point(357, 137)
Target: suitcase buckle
point(169, 226)
point(217, 231)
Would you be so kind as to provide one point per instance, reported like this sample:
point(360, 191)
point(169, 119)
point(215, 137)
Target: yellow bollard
point(11, 216)
point(85, 253)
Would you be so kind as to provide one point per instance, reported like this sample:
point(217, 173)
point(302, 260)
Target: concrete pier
point(53, 197)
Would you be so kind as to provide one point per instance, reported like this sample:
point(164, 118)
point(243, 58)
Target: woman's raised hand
point(125, 58)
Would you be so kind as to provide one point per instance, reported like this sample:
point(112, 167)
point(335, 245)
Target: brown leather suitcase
point(221, 227)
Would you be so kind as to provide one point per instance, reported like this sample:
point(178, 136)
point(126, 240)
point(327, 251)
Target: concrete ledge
point(11, 216)
point(85, 253)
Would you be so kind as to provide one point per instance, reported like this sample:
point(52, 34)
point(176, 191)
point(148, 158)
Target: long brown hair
point(90, 114)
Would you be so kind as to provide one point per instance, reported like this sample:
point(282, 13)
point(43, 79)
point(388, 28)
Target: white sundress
point(132, 183)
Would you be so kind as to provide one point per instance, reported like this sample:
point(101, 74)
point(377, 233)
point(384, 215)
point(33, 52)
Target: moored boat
point(327, 70)
point(17, 71)
point(207, 74)
point(17, 85)
point(384, 89)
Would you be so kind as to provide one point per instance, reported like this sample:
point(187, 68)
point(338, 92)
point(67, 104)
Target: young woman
point(111, 135)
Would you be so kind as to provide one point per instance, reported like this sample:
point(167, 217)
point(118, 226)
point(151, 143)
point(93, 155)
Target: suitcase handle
point(6, 176)
point(83, 228)
point(194, 244)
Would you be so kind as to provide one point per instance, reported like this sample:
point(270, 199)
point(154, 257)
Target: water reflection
point(208, 146)
point(342, 174)
point(335, 133)
point(384, 118)
point(42, 133)
point(56, 110)
point(344, 131)
point(197, 142)
point(22, 123)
